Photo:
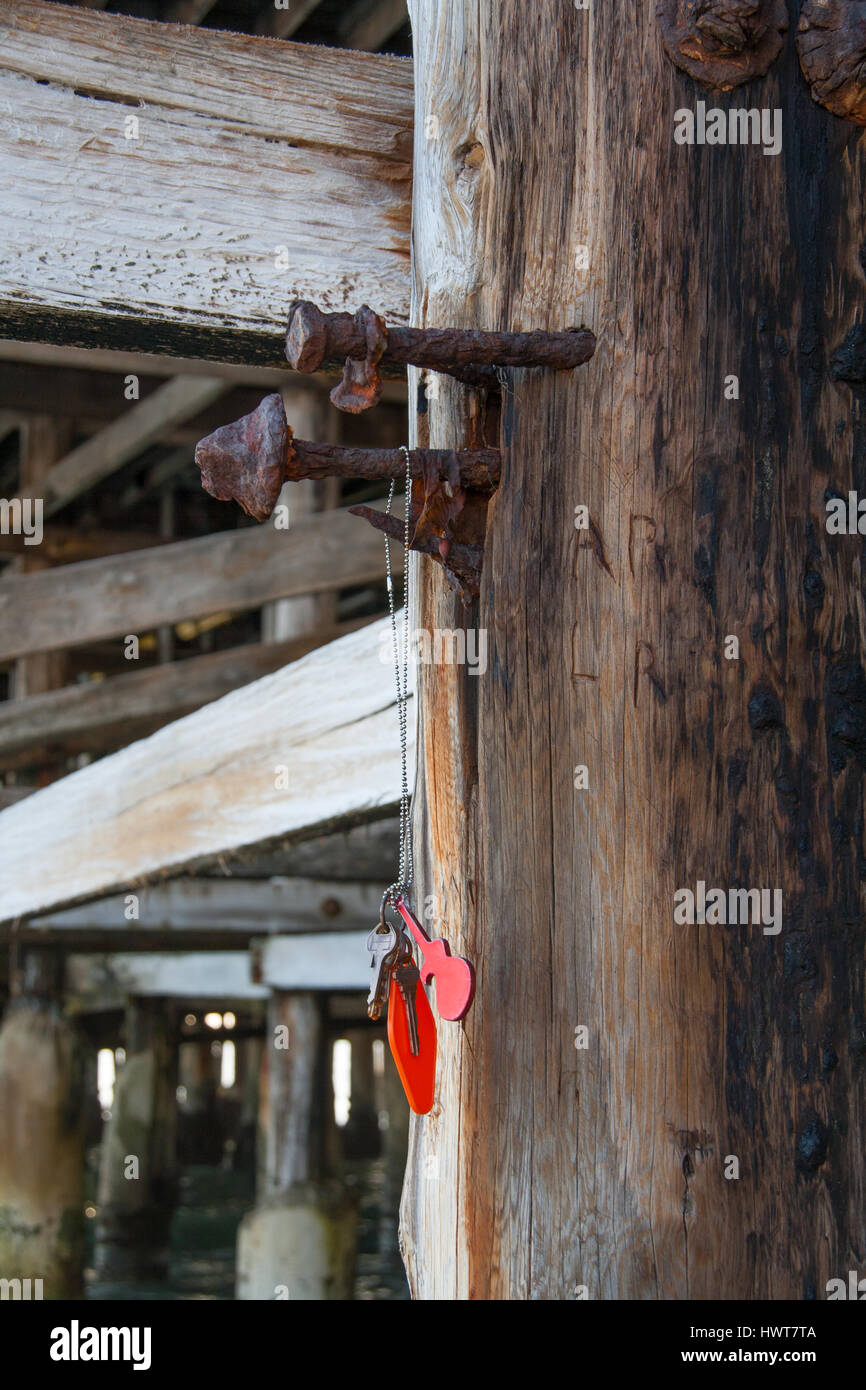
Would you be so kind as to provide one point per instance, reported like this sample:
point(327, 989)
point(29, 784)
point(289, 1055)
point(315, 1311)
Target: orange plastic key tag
point(417, 1070)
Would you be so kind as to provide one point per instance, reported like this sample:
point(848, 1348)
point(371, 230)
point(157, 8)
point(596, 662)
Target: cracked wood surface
point(167, 242)
point(306, 750)
point(543, 1168)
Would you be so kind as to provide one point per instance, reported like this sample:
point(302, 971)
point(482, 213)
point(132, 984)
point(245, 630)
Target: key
point(384, 947)
point(407, 977)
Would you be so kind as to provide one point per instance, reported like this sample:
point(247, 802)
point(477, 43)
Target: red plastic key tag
point(417, 1073)
point(455, 978)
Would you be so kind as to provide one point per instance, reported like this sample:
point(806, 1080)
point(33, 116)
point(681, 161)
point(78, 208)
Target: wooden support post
point(198, 1137)
point(250, 1053)
point(638, 1107)
point(137, 1170)
point(41, 1138)
point(362, 1137)
point(43, 441)
point(289, 618)
point(299, 1241)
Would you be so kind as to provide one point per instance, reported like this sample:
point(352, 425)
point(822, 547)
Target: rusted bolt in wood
point(249, 460)
point(723, 43)
point(471, 354)
point(463, 560)
point(831, 42)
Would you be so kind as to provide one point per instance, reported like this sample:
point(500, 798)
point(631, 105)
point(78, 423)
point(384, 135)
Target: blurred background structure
point(194, 1102)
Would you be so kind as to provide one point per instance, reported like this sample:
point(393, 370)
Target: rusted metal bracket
point(723, 43)
point(469, 354)
point(249, 460)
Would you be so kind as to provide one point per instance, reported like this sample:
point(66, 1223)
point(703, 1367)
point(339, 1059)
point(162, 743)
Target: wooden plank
point(321, 961)
point(230, 571)
point(603, 1170)
point(141, 364)
point(99, 715)
point(297, 753)
point(63, 545)
point(256, 907)
point(149, 365)
point(98, 983)
point(170, 242)
point(315, 962)
point(43, 441)
point(368, 24)
point(125, 438)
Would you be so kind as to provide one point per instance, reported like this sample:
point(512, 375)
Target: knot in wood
point(723, 43)
point(831, 42)
point(247, 460)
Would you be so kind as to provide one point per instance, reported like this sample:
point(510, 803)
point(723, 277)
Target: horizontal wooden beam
point(172, 190)
point(88, 371)
point(63, 545)
point(315, 962)
point(230, 571)
point(304, 751)
point(97, 983)
point(126, 437)
point(98, 716)
point(241, 906)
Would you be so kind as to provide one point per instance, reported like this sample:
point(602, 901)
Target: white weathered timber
point(308, 748)
point(99, 982)
point(257, 906)
point(227, 572)
point(170, 241)
point(130, 434)
point(336, 961)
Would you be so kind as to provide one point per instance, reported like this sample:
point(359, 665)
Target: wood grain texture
point(604, 1168)
point(135, 592)
point(255, 906)
point(302, 751)
point(168, 242)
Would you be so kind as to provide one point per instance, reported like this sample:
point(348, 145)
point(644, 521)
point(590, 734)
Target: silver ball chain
point(403, 884)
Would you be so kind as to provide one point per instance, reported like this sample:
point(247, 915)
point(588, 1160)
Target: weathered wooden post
point(199, 1139)
point(41, 1138)
point(361, 1136)
point(138, 1161)
point(702, 1137)
point(299, 1242)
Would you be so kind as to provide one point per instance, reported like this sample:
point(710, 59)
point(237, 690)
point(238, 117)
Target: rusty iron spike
point(248, 461)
